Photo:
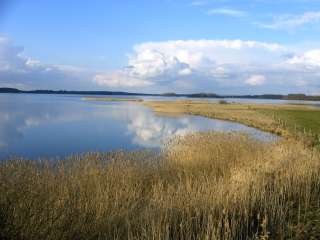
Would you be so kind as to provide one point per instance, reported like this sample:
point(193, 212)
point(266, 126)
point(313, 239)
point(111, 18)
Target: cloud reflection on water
point(57, 125)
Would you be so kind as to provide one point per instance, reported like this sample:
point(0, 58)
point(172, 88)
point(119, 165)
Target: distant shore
point(299, 96)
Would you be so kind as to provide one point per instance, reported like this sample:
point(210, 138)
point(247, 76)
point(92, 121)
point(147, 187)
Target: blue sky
point(223, 46)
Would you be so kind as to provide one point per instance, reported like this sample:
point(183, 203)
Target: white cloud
point(18, 70)
point(186, 61)
point(120, 80)
point(150, 63)
point(226, 12)
point(309, 59)
point(289, 22)
point(256, 80)
point(199, 3)
point(222, 66)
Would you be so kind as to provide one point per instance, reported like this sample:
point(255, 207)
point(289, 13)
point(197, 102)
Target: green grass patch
point(301, 123)
point(301, 120)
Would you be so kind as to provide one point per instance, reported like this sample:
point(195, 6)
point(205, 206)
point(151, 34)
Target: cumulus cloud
point(289, 22)
point(150, 63)
point(309, 59)
point(256, 80)
point(20, 71)
point(120, 79)
point(222, 66)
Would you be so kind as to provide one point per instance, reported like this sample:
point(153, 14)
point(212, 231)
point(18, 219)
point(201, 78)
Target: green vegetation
point(303, 124)
point(103, 99)
point(302, 120)
point(201, 186)
point(301, 97)
point(223, 102)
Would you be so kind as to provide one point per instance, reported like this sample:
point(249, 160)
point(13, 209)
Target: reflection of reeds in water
point(204, 186)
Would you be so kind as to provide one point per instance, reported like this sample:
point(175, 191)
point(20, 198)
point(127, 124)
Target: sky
point(183, 46)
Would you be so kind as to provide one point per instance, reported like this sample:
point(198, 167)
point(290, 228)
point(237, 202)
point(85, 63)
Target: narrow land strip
point(284, 120)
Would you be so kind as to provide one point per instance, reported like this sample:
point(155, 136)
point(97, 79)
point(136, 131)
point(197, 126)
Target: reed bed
point(290, 121)
point(201, 186)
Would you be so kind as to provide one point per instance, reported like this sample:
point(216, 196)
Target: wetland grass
point(301, 122)
point(202, 186)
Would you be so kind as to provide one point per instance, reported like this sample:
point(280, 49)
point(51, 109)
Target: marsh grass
point(202, 186)
point(300, 122)
point(248, 114)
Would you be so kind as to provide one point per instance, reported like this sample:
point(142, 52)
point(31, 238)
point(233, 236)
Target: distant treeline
point(171, 94)
point(14, 90)
point(262, 96)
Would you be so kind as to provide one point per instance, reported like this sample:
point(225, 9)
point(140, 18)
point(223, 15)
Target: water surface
point(38, 126)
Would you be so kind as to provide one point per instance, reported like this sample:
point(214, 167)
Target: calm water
point(36, 126)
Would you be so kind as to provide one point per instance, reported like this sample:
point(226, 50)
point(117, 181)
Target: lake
point(51, 126)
